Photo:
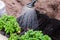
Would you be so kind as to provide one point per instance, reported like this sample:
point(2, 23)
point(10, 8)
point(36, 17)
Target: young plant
point(34, 35)
point(1, 24)
point(10, 24)
point(14, 37)
point(30, 35)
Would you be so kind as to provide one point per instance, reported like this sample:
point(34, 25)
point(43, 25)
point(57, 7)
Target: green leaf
point(9, 23)
point(34, 35)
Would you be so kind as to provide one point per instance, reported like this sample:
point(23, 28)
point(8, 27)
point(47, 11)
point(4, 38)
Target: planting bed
point(10, 29)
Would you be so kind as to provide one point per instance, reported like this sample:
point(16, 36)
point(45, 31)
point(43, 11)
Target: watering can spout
point(32, 3)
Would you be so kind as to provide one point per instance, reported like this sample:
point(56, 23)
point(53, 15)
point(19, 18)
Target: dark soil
point(49, 26)
point(4, 33)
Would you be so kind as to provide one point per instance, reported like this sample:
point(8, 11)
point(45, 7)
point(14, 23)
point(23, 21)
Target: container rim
point(2, 5)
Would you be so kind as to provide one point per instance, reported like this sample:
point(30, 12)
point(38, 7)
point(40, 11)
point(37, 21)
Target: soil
point(49, 26)
point(4, 33)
